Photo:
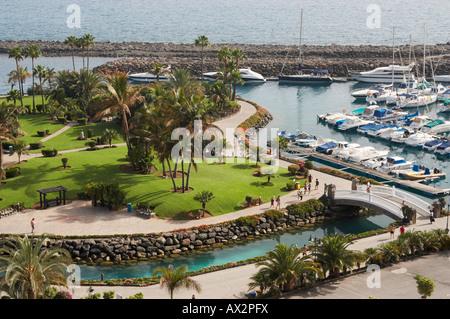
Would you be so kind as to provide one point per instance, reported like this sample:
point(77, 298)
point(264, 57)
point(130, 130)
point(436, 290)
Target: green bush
point(252, 200)
point(293, 169)
point(309, 165)
point(90, 132)
point(39, 108)
point(82, 121)
point(35, 145)
point(109, 294)
point(49, 152)
point(6, 145)
point(290, 185)
point(251, 221)
point(273, 214)
point(305, 208)
point(61, 119)
point(41, 133)
point(11, 172)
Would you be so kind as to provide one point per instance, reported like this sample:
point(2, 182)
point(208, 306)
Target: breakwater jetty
point(269, 60)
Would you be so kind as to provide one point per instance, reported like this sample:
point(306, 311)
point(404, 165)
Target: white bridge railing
point(363, 196)
point(397, 193)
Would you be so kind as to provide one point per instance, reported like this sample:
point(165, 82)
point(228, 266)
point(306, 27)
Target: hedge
point(49, 152)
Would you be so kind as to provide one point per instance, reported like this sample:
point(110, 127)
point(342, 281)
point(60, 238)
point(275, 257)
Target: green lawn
point(230, 183)
point(31, 123)
point(27, 100)
point(68, 139)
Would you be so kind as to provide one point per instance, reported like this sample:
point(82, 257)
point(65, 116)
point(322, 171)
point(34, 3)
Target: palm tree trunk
point(42, 94)
point(1, 160)
point(202, 61)
point(87, 56)
point(182, 174)
point(32, 77)
point(73, 59)
point(171, 176)
point(164, 168)
point(20, 84)
point(175, 169)
point(83, 57)
point(127, 136)
point(188, 175)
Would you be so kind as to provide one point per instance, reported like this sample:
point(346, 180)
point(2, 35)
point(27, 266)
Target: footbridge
point(383, 199)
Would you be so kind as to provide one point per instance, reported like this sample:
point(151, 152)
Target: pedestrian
point(193, 296)
point(278, 202)
point(310, 178)
point(299, 194)
point(272, 201)
point(431, 218)
point(392, 231)
point(402, 230)
point(305, 186)
point(309, 188)
point(368, 187)
point(32, 225)
point(317, 184)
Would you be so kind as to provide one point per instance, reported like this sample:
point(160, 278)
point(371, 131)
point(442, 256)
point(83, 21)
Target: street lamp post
point(448, 213)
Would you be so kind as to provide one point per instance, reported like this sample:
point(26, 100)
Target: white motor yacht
point(382, 129)
point(367, 153)
point(412, 100)
point(388, 134)
point(436, 126)
point(363, 93)
point(394, 163)
point(419, 121)
point(432, 145)
point(402, 137)
point(389, 74)
point(443, 149)
point(419, 139)
point(145, 77)
point(350, 124)
point(248, 75)
point(443, 106)
point(343, 146)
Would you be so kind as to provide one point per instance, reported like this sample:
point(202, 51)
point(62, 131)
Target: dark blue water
point(199, 260)
point(233, 21)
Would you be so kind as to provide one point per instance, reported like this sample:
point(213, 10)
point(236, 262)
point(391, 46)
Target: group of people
point(276, 202)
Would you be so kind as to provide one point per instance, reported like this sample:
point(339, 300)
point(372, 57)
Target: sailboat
point(316, 76)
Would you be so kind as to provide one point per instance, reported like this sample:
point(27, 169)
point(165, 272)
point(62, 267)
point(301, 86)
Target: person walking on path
point(392, 231)
point(402, 230)
point(305, 186)
point(272, 201)
point(310, 178)
point(278, 202)
point(309, 188)
point(299, 194)
point(317, 184)
point(32, 225)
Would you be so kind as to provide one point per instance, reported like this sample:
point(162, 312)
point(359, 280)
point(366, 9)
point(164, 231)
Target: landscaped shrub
point(252, 200)
point(6, 145)
point(39, 108)
point(251, 220)
point(106, 195)
point(41, 133)
point(61, 119)
point(109, 294)
point(49, 152)
point(90, 132)
point(290, 185)
point(82, 121)
point(309, 165)
point(273, 214)
point(305, 208)
point(293, 169)
point(64, 161)
point(11, 172)
point(35, 145)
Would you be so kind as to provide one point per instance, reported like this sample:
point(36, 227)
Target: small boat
point(326, 148)
point(442, 78)
point(145, 77)
point(389, 74)
point(343, 146)
point(367, 153)
point(350, 124)
point(401, 137)
point(433, 144)
point(425, 175)
point(443, 106)
point(436, 126)
point(419, 139)
point(412, 100)
point(394, 163)
point(418, 122)
point(388, 134)
point(363, 93)
point(443, 149)
point(383, 128)
point(416, 169)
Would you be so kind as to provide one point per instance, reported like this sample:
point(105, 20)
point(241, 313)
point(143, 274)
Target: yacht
point(343, 146)
point(412, 100)
point(443, 149)
point(394, 163)
point(145, 77)
point(388, 134)
point(443, 106)
point(248, 75)
point(367, 153)
point(436, 126)
point(418, 122)
point(445, 94)
point(432, 145)
point(327, 148)
point(402, 137)
point(419, 139)
point(382, 128)
point(350, 124)
point(363, 93)
point(389, 74)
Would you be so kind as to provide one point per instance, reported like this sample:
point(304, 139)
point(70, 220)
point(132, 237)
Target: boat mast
point(409, 66)
point(393, 56)
point(424, 41)
point(300, 46)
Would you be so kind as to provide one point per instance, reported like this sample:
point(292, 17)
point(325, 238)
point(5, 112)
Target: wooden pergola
point(45, 203)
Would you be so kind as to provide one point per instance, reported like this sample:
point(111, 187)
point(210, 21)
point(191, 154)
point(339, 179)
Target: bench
point(49, 202)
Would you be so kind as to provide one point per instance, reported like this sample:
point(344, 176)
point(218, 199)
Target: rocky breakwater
point(269, 60)
point(149, 246)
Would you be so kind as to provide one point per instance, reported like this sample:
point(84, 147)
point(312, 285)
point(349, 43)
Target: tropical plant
point(16, 54)
point(21, 148)
point(333, 254)
point(425, 286)
point(109, 135)
point(8, 126)
point(72, 42)
point(202, 41)
point(176, 279)
point(158, 69)
point(88, 41)
point(13, 95)
point(204, 197)
point(33, 52)
point(285, 268)
point(30, 267)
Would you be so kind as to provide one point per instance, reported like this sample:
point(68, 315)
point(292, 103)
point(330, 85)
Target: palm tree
point(181, 79)
point(33, 52)
point(87, 85)
point(16, 54)
point(238, 56)
point(23, 74)
point(8, 125)
point(88, 41)
point(80, 43)
point(72, 42)
point(204, 197)
point(285, 267)
point(13, 95)
point(224, 55)
point(110, 135)
point(333, 254)
point(30, 267)
point(158, 69)
point(235, 78)
point(202, 41)
point(175, 279)
point(40, 72)
point(118, 97)
point(21, 148)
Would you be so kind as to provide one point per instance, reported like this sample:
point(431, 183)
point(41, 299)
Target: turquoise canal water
point(259, 247)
